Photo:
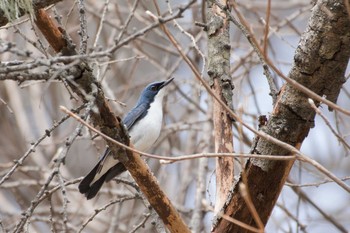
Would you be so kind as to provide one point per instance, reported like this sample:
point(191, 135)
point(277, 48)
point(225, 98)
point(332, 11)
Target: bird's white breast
point(146, 131)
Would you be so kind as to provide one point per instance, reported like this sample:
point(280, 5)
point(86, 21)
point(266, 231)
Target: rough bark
point(220, 82)
point(320, 62)
point(85, 85)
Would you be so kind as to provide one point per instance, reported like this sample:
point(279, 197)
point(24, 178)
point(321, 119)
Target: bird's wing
point(135, 114)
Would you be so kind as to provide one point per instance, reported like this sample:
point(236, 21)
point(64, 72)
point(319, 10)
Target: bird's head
point(155, 90)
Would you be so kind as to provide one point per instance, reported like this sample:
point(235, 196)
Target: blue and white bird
point(144, 123)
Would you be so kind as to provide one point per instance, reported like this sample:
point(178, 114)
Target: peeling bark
point(220, 82)
point(320, 62)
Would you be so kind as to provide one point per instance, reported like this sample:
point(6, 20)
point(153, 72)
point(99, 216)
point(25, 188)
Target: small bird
point(144, 123)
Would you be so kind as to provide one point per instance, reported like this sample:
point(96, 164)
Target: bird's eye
point(154, 88)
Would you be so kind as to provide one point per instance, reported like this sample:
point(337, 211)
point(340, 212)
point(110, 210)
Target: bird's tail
point(91, 189)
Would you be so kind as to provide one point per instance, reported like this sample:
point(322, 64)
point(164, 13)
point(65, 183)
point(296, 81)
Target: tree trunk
point(220, 82)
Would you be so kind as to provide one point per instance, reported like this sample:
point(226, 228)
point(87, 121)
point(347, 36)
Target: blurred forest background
point(35, 131)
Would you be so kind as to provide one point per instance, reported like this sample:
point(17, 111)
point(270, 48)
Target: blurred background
point(308, 202)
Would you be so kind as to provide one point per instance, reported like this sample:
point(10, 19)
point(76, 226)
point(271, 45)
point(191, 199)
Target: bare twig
point(97, 211)
point(304, 197)
point(252, 209)
point(35, 144)
point(102, 20)
point(142, 223)
point(127, 22)
point(334, 132)
point(83, 28)
point(234, 221)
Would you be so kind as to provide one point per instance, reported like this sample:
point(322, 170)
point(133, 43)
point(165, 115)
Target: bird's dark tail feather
point(114, 171)
point(91, 189)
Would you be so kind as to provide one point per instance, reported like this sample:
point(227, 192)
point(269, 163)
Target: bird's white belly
point(146, 132)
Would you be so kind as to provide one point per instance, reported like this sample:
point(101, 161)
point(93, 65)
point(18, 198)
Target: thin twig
point(303, 196)
point(289, 214)
point(128, 20)
point(318, 111)
point(248, 200)
point(267, 27)
point(97, 211)
point(26, 215)
point(100, 26)
point(316, 184)
point(230, 219)
point(83, 28)
point(142, 223)
point(35, 144)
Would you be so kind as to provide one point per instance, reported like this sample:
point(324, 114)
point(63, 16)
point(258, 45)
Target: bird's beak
point(167, 82)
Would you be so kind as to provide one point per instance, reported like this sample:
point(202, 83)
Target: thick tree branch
point(319, 64)
point(50, 31)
